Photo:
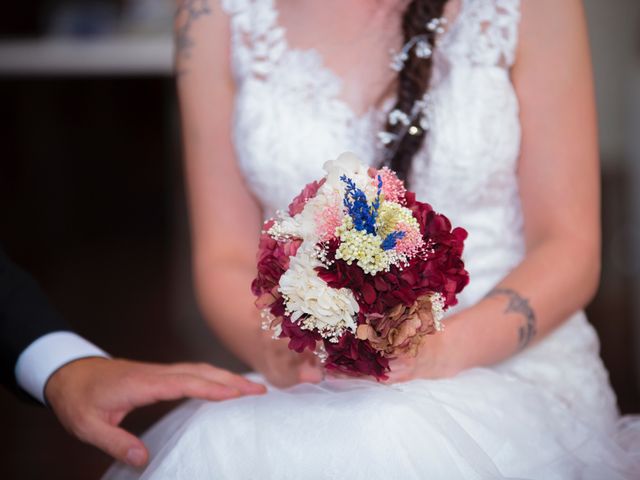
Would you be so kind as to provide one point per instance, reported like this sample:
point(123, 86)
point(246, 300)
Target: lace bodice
point(289, 119)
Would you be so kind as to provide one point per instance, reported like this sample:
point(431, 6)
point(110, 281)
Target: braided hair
point(413, 81)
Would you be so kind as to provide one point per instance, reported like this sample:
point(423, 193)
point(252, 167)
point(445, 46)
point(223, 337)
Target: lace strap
point(493, 29)
point(257, 41)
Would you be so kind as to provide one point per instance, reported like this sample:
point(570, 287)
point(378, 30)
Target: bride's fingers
point(308, 367)
point(114, 441)
point(219, 375)
point(397, 377)
point(310, 372)
point(402, 370)
point(282, 379)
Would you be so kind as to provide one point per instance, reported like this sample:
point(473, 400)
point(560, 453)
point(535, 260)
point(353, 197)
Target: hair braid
point(413, 82)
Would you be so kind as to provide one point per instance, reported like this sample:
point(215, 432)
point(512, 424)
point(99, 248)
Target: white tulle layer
point(485, 423)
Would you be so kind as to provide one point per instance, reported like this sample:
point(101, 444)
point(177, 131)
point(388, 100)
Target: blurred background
point(92, 200)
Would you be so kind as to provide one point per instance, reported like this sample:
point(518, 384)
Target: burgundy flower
point(299, 338)
point(444, 267)
point(374, 294)
point(355, 357)
point(273, 261)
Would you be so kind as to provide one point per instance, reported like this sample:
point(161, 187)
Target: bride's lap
point(474, 422)
point(477, 424)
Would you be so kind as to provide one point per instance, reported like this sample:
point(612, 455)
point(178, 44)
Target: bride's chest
point(289, 122)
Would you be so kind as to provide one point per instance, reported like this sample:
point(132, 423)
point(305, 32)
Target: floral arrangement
point(357, 270)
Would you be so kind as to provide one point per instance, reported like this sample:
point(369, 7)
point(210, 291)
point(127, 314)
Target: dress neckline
point(353, 117)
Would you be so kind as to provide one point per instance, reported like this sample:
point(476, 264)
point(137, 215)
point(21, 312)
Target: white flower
point(314, 304)
point(350, 165)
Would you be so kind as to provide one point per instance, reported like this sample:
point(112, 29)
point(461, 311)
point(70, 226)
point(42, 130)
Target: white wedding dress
point(546, 413)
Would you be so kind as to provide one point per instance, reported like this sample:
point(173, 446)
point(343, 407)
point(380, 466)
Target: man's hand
point(91, 396)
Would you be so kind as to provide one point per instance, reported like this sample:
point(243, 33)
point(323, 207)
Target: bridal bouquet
point(357, 270)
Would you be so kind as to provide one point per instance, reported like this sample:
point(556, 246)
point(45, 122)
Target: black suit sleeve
point(25, 315)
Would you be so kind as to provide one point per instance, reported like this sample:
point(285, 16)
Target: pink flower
point(392, 187)
point(412, 241)
point(327, 220)
point(309, 191)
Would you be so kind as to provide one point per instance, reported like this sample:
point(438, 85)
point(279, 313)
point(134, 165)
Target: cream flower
point(314, 304)
point(364, 249)
point(390, 214)
point(285, 227)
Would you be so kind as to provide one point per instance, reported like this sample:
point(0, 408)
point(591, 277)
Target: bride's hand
point(431, 362)
point(283, 367)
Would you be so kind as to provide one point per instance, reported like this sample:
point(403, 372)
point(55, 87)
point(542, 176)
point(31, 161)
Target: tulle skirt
point(547, 413)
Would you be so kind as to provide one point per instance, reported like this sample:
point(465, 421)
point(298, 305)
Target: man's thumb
point(118, 443)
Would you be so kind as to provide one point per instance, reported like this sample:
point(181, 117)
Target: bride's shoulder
point(548, 27)
point(497, 32)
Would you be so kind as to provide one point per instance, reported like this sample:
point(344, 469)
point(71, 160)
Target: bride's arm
point(558, 175)
point(225, 218)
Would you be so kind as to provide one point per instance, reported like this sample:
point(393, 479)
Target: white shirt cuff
point(46, 355)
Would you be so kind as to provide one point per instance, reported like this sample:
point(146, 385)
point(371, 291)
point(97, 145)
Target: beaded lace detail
point(491, 28)
point(291, 90)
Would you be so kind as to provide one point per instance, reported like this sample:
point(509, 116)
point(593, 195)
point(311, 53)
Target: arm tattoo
point(518, 304)
point(187, 13)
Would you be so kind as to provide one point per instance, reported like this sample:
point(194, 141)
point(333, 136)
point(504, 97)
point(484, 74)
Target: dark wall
point(21, 18)
point(87, 181)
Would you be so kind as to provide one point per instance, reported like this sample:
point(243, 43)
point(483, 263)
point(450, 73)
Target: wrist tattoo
point(520, 305)
point(187, 13)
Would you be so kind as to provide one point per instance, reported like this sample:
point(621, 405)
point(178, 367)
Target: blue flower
point(390, 241)
point(363, 216)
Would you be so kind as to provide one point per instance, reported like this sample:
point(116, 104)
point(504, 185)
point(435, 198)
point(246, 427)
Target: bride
point(504, 145)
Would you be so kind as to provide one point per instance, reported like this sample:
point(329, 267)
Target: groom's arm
point(34, 340)
point(90, 396)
